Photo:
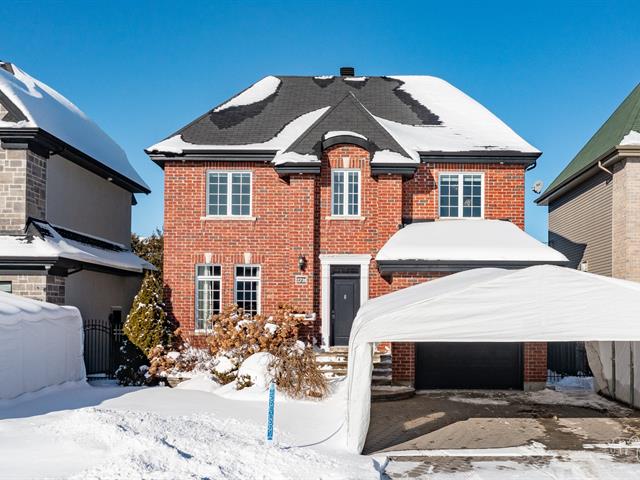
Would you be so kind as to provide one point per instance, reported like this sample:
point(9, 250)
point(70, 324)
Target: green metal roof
point(620, 123)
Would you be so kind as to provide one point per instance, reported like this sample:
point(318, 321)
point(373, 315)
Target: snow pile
point(574, 383)
point(280, 142)
point(631, 138)
point(256, 367)
point(255, 93)
point(470, 240)
point(164, 433)
point(47, 109)
point(200, 382)
point(41, 344)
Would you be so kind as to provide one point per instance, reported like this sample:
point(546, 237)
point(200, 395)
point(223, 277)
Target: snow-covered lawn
point(84, 432)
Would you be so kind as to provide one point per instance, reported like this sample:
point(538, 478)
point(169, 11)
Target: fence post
point(631, 376)
point(613, 370)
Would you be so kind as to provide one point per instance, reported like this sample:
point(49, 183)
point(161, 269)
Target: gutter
point(603, 162)
point(409, 266)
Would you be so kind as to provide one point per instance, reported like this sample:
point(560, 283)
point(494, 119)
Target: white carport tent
point(542, 303)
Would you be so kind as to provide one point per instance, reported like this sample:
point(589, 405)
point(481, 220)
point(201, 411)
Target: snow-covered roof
point(406, 115)
point(43, 107)
point(46, 242)
point(459, 241)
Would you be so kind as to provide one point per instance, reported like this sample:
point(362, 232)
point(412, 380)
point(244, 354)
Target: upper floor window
point(461, 195)
point(229, 193)
point(345, 192)
point(247, 289)
point(208, 294)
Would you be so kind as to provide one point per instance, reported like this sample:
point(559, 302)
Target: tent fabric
point(41, 344)
point(543, 303)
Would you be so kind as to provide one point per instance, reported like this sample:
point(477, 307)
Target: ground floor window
point(247, 288)
point(6, 286)
point(208, 294)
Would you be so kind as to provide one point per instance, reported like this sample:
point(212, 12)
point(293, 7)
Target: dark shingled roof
point(261, 121)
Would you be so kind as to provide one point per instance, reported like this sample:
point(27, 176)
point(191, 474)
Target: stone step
point(391, 393)
point(381, 380)
point(382, 372)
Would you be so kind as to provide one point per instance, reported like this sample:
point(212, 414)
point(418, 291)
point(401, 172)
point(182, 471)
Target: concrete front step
point(390, 393)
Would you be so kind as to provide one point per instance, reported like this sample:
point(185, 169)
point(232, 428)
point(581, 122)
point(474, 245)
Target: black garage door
point(469, 365)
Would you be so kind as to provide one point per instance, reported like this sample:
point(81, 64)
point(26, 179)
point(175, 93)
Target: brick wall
point(535, 362)
point(293, 217)
point(626, 220)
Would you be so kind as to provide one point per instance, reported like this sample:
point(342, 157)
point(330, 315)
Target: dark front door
point(345, 301)
point(469, 365)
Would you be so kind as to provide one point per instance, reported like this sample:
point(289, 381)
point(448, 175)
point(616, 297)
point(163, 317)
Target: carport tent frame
point(542, 303)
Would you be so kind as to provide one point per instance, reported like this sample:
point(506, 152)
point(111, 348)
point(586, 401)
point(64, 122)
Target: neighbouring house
point(326, 191)
point(66, 192)
point(594, 217)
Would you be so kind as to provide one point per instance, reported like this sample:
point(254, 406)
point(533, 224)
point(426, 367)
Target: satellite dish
point(537, 186)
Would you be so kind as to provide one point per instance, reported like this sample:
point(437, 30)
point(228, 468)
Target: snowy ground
point(86, 432)
point(201, 431)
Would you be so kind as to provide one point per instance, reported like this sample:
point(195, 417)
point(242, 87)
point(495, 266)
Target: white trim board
point(326, 260)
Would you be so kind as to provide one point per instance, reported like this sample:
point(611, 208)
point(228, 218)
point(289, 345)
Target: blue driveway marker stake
point(272, 401)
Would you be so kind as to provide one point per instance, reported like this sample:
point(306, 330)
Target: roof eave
point(235, 155)
point(611, 156)
point(481, 156)
point(44, 143)
point(408, 266)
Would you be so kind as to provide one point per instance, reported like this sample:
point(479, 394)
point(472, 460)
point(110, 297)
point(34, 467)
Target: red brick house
point(289, 191)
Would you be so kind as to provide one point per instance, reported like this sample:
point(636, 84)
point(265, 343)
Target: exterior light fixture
point(302, 262)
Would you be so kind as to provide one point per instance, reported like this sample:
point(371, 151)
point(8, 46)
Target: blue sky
point(552, 71)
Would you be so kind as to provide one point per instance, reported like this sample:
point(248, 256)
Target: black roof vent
point(347, 71)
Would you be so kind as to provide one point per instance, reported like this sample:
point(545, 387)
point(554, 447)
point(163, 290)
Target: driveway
point(498, 419)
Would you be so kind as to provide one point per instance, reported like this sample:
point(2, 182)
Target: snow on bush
point(257, 370)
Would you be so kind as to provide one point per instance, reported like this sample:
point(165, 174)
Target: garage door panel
point(468, 365)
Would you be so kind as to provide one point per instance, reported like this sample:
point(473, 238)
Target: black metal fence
point(567, 359)
point(102, 342)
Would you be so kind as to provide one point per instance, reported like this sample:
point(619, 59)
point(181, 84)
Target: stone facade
point(22, 189)
point(38, 286)
point(292, 217)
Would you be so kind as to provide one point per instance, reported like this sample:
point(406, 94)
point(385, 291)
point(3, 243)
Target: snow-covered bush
point(295, 371)
point(133, 366)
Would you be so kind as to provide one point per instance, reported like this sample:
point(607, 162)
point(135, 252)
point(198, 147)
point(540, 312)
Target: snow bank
point(255, 93)
point(47, 109)
point(41, 344)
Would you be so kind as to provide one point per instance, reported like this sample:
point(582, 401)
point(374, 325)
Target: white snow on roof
point(293, 157)
point(323, 77)
point(338, 133)
point(354, 79)
point(387, 156)
point(56, 246)
point(280, 142)
point(631, 138)
point(467, 240)
point(466, 124)
point(255, 93)
point(47, 109)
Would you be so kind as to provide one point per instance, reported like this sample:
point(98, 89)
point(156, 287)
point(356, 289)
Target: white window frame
point(461, 195)
point(257, 279)
point(345, 193)
point(198, 278)
point(229, 213)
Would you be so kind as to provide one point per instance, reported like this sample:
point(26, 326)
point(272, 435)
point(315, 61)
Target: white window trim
point(345, 195)
point(326, 260)
point(229, 215)
point(248, 279)
point(461, 196)
point(204, 277)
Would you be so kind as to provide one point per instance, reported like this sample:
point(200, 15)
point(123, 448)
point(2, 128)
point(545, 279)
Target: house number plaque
point(300, 280)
